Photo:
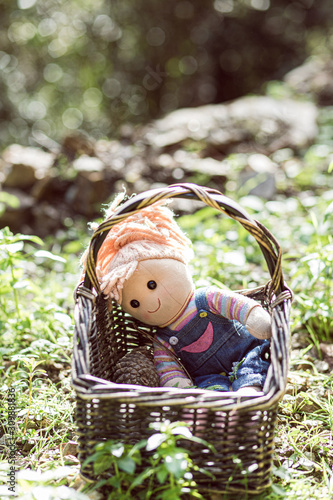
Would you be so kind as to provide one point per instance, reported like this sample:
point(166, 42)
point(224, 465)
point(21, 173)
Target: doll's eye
point(135, 303)
point(152, 285)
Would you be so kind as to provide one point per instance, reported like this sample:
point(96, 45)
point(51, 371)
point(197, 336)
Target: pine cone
point(136, 367)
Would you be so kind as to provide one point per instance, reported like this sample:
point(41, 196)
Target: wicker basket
point(241, 428)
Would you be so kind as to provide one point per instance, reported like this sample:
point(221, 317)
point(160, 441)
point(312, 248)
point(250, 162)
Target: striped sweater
point(223, 302)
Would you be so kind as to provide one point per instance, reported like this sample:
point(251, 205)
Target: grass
point(36, 323)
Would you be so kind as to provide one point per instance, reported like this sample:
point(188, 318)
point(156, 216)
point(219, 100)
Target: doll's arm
point(169, 372)
point(247, 311)
point(258, 323)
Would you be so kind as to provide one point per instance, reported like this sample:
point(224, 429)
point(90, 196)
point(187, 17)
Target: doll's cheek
point(146, 317)
point(138, 314)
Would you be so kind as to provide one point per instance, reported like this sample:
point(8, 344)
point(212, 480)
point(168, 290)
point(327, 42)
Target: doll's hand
point(180, 382)
point(258, 323)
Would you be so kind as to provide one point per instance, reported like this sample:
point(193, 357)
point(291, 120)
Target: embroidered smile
point(159, 305)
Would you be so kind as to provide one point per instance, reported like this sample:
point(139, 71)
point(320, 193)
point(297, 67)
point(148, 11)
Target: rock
point(300, 340)
point(19, 215)
point(88, 164)
point(276, 123)
point(5, 441)
point(69, 448)
point(327, 353)
point(305, 404)
point(216, 171)
point(296, 384)
point(77, 144)
point(47, 219)
point(52, 189)
point(88, 189)
point(261, 164)
point(209, 166)
point(254, 123)
point(135, 169)
point(20, 177)
point(24, 165)
point(321, 366)
point(187, 145)
point(259, 177)
point(116, 155)
point(169, 169)
point(29, 443)
point(314, 78)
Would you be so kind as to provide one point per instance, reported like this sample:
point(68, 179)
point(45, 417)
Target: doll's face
point(157, 291)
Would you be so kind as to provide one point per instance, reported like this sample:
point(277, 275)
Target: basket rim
point(101, 389)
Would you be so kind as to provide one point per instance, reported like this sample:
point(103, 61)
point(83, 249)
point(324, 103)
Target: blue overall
point(218, 352)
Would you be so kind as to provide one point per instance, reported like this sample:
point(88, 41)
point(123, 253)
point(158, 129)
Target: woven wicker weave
point(241, 428)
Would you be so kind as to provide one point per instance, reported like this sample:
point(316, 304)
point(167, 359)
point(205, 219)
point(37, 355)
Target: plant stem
point(17, 307)
point(29, 406)
point(116, 470)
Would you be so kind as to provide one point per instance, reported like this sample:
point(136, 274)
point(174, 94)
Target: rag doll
point(219, 336)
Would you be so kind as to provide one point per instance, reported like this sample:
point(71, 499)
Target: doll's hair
point(150, 233)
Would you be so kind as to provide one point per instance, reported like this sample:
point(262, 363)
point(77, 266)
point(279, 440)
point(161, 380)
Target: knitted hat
point(151, 233)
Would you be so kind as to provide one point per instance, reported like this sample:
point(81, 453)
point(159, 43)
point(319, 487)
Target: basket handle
point(211, 197)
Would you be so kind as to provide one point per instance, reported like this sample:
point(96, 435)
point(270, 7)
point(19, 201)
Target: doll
point(219, 336)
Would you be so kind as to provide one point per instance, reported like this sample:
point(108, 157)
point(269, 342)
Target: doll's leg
point(248, 390)
point(251, 371)
point(214, 382)
point(248, 379)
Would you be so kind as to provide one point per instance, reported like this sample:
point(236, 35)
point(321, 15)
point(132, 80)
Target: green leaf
point(281, 472)
point(176, 465)
point(136, 449)
point(4, 289)
point(48, 255)
point(9, 199)
point(21, 284)
point(32, 238)
point(127, 464)
point(102, 463)
point(329, 209)
point(182, 431)
point(278, 490)
point(171, 494)
point(65, 319)
point(114, 481)
point(162, 474)
point(330, 167)
point(138, 480)
point(14, 247)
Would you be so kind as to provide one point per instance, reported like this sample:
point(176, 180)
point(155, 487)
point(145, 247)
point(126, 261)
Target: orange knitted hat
point(151, 233)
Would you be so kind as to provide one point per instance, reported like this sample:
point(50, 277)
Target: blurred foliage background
point(94, 65)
